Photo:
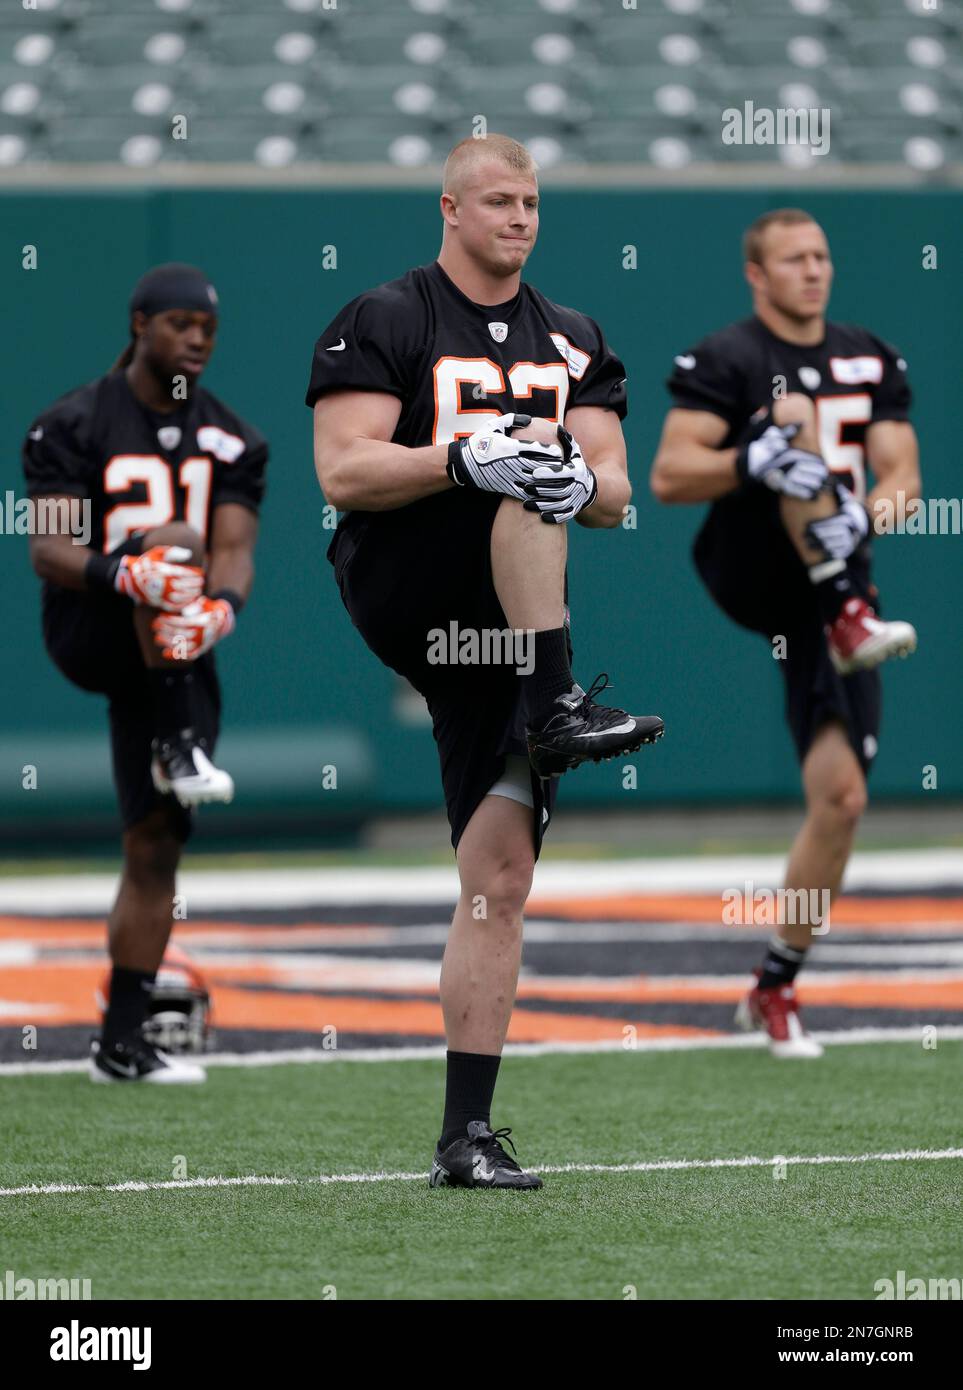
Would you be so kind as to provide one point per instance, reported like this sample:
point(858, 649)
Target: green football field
point(805, 1229)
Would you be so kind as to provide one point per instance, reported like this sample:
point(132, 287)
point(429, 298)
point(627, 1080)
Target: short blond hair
point(468, 154)
point(754, 235)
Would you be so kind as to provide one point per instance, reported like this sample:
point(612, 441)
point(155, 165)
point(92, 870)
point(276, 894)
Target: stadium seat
point(512, 92)
point(927, 153)
point(522, 37)
point(643, 43)
point(805, 44)
point(389, 91)
point(221, 93)
point(118, 91)
point(280, 37)
point(352, 142)
point(396, 37)
point(165, 41)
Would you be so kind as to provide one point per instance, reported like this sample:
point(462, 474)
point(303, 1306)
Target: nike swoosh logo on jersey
point(686, 360)
point(625, 728)
point(338, 347)
point(37, 433)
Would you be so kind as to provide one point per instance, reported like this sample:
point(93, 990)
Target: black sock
point(128, 1004)
point(550, 677)
point(833, 589)
point(469, 1087)
point(172, 691)
point(782, 964)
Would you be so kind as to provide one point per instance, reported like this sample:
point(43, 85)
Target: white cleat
point(181, 767)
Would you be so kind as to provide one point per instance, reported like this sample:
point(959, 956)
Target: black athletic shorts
point(90, 637)
point(395, 599)
point(768, 591)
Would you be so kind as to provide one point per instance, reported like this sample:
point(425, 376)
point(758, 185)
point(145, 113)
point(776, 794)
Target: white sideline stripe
point(662, 1165)
point(950, 1032)
point(207, 890)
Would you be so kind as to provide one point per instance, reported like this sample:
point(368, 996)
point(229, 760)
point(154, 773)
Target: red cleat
point(859, 640)
point(775, 1012)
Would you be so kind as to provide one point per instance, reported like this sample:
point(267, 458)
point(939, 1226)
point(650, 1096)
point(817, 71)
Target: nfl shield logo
point(169, 436)
point(809, 377)
point(499, 331)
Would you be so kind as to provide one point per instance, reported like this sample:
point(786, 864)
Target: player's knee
point(503, 891)
point(151, 852)
point(178, 533)
point(844, 804)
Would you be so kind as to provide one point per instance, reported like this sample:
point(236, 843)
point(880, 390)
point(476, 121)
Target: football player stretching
point(462, 420)
point(173, 481)
point(775, 421)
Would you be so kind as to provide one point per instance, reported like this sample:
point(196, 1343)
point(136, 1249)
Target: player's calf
point(140, 926)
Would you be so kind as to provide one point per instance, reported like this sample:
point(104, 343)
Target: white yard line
point(664, 1165)
point(436, 1052)
point(207, 890)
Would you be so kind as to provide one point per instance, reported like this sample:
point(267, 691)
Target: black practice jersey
point(853, 377)
point(141, 468)
point(456, 365)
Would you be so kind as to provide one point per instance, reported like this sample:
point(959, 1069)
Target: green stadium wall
point(639, 613)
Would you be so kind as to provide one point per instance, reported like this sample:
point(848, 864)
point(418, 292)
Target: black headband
point(173, 286)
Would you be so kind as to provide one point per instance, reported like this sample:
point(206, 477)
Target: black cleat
point(135, 1059)
point(480, 1161)
point(181, 766)
point(583, 731)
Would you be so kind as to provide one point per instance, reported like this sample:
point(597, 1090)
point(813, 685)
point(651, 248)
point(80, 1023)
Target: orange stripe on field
point(70, 990)
point(707, 908)
point(938, 916)
point(276, 1011)
point(899, 993)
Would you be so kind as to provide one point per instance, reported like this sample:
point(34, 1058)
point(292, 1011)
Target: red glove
point(160, 578)
point(189, 634)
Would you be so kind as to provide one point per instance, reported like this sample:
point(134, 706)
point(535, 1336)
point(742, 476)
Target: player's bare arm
point(359, 469)
point(230, 557)
point(57, 557)
point(599, 434)
point(892, 452)
point(689, 465)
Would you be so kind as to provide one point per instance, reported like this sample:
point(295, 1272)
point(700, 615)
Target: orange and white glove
point(189, 634)
point(160, 578)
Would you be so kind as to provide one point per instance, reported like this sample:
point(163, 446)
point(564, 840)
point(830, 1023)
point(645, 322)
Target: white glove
point(492, 461)
point(837, 536)
point(772, 460)
point(559, 491)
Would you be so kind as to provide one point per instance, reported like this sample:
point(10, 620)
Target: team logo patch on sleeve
point(850, 371)
point(576, 359)
point(226, 448)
